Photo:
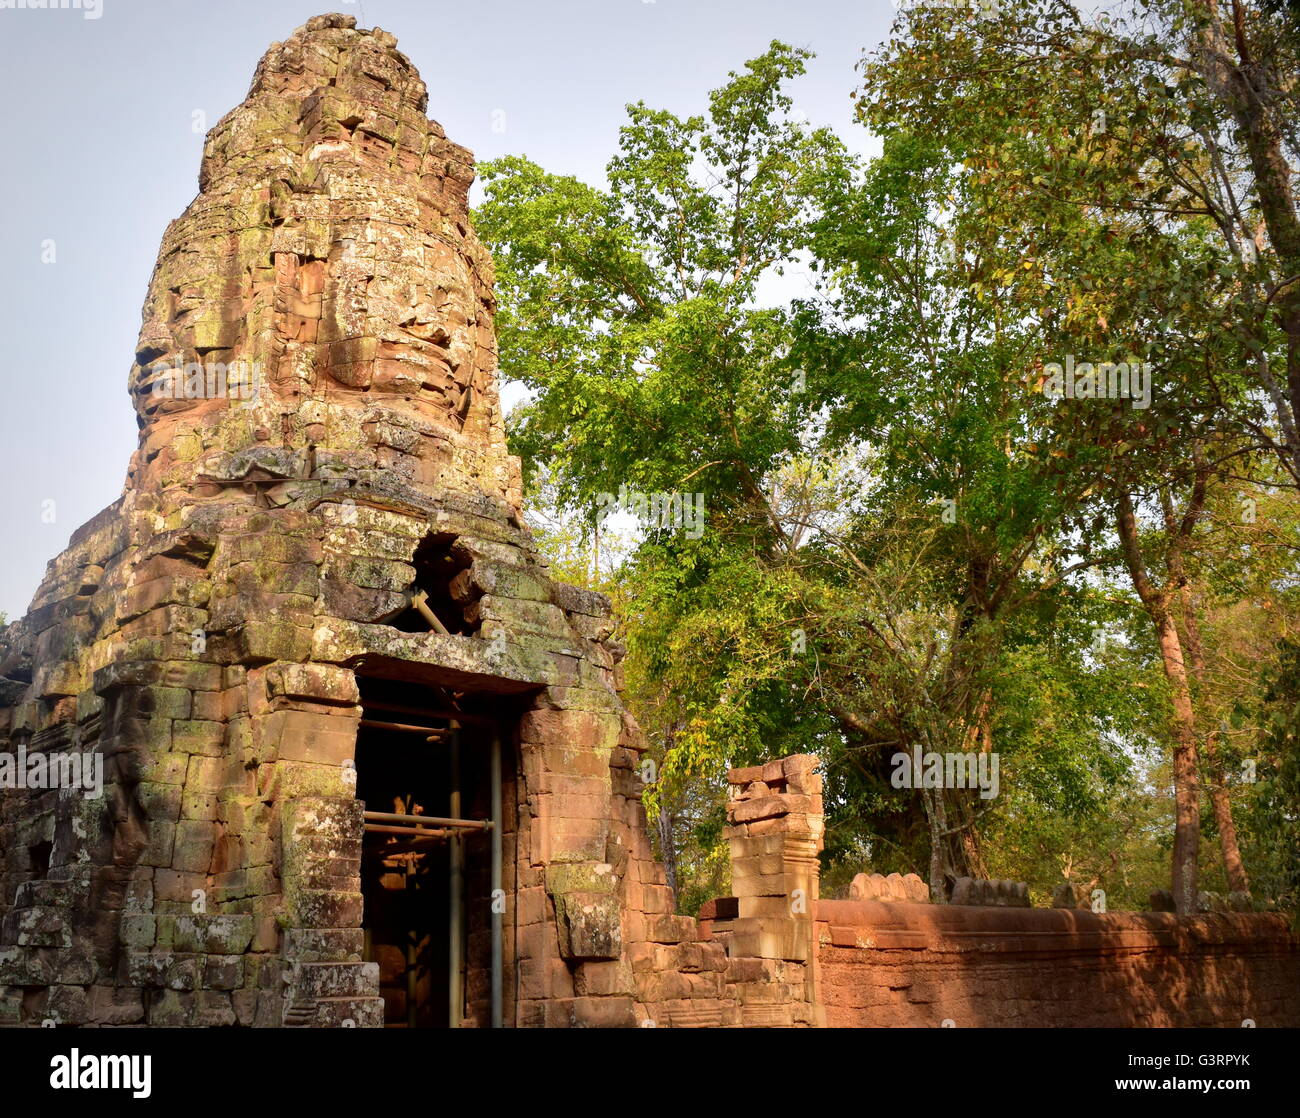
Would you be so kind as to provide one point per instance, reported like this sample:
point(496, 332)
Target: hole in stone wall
point(438, 568)
point(38, 856)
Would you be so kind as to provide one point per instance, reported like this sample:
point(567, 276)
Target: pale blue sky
point(102, 154)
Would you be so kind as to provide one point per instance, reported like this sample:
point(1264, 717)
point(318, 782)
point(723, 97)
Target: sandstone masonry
point(286, 560)
point(364, 760)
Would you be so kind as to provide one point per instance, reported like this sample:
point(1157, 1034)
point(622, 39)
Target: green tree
point(1132, 201)
point(910, 541)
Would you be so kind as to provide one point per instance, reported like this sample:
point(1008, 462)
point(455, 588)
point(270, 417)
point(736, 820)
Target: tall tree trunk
point(1187, 808)
point(954, 842)
point(1233, 867)
point(1187, 815)
point(940, 863)
point(967, 856)
point(664, 819)
point(668, 848)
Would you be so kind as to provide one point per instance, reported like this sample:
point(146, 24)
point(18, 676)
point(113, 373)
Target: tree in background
point(912, 542)
point(1123, 186)
point(633, 312)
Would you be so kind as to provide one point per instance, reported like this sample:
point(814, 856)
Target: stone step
point(350, 1013)
point(324, 945)
point(335, 980)
point(300, 1014)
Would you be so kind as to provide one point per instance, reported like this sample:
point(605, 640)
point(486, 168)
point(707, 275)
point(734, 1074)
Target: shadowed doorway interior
point(425, 774)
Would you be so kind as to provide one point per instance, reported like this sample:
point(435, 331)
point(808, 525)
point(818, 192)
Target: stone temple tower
point(300, 731)
point(363, 760)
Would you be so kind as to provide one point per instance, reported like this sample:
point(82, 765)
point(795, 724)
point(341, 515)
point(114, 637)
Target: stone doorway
point(425, 775)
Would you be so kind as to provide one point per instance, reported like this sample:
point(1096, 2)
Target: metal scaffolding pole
point(455, 991)
point(498, 894)
point(412, 953)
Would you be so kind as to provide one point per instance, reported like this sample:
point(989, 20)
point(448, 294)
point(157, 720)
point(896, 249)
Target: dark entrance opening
point(424, 760)
point(38, 857)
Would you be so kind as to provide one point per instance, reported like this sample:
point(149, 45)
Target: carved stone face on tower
point(323, 303)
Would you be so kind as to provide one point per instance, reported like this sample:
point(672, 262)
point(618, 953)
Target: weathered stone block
point(204, 738)
point(589, 925)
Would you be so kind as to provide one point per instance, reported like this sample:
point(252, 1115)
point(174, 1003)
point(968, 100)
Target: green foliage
point(1274, 815)
point(632, 310)
point(909, 543)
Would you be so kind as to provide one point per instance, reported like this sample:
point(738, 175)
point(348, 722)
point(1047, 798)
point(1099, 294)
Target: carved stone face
point(328, 272)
